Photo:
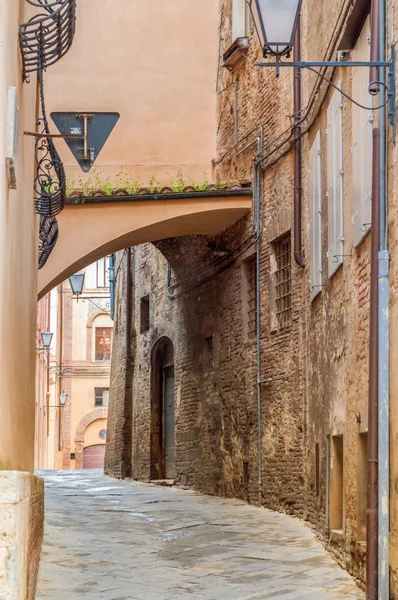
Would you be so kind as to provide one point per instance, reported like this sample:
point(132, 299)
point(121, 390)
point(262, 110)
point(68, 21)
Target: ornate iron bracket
point(47, 36)
point(43, 40)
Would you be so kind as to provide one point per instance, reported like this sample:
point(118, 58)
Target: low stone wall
point(21, 533)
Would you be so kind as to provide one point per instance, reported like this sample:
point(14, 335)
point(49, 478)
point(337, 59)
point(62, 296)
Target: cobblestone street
point(122, 540)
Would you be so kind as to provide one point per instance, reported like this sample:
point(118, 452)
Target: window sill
point(236, 54)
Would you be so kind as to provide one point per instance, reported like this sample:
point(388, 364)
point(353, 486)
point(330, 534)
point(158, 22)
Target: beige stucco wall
point(18, 259)
point(91, 436)
point(155, 64)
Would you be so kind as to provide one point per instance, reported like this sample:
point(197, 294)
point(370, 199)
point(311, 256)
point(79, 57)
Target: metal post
point(383, 350)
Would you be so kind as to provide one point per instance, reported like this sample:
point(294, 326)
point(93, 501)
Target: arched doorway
point(162, 411)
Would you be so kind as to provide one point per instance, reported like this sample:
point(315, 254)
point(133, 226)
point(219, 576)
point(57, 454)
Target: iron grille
point(43, 40)
point(48, 235)
point(50, 180)
point(47, 36)
point(283, 275)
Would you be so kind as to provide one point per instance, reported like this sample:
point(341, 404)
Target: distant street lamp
point(76, 283)
point(276, 23)
point(62, 401)
point(46, 338)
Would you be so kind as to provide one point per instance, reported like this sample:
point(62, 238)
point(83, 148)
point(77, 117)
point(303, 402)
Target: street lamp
point(276, 23)
point(62, 401)
point(46, 338)
point(76, 283)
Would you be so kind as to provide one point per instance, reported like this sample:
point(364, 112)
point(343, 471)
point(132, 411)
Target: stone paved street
point(122, 540)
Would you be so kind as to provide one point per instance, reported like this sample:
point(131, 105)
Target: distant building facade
point(73, 436)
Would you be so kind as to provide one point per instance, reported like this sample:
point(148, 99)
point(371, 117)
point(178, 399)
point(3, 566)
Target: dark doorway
point(162, 411)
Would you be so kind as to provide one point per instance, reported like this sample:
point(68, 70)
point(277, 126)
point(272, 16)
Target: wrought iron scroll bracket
point(389, 91)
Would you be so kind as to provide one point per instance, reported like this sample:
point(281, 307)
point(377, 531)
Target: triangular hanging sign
point(91, 130)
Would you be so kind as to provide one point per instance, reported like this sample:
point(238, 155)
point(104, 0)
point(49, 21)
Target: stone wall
point(21, 534)
point(314, 397)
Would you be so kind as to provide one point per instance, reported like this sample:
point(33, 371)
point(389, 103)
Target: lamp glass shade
point(76, 283)
point(46, 338)
point(276, 23)
point(63, 398)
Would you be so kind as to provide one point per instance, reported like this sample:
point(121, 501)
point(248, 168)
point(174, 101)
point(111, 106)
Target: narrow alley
point(123, 540)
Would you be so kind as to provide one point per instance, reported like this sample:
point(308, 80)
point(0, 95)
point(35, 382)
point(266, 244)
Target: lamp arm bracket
point(390, 90)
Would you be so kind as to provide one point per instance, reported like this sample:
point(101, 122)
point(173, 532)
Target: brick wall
point(317, 366)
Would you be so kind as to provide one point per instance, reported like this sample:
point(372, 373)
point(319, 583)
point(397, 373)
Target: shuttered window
point(315, 213)
point(240, 19)
point(362, 125)
point(334, 191)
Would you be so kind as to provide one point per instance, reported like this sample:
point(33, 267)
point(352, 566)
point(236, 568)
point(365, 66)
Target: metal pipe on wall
point(297, 153)
point(257, 220)
point(372, 516)
point(383, 346)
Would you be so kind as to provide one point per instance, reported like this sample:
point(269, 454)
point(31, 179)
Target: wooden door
point(94, 457)
point(169, 422)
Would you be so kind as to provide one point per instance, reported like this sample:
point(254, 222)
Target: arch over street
point(90, 228)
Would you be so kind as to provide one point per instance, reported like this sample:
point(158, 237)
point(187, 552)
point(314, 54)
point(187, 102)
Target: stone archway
point(94, 415)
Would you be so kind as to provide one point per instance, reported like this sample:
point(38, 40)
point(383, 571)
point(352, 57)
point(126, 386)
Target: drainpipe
point(383, 352)
point(257, 217)
point(372, 518)
point(297, 154)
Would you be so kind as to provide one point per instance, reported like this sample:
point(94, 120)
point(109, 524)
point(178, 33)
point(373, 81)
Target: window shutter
point(315, 212)
point(335, 182)
point(362, 126)
point(238, 19)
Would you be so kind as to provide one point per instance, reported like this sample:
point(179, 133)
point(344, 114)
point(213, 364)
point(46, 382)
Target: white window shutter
point(335, 183)
point(238, 19)
point(362, 131)
point(315, 212)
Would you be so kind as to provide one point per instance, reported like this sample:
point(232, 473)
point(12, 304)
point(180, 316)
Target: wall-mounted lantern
point(63, 398)
point(276, 23)
point(76, 283)
point(46, 338)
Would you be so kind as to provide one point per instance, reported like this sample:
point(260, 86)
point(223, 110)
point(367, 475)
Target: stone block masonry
point(21, 534)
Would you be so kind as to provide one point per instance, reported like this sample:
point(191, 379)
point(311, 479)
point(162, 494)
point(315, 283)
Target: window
point(101, 396)
point(103, 343)
point(144, 314)
point(102, 273)
point(337, 484)
point(315, 212)
point(362, 131)
point(334, 192)
point(240, 19)
point(282, 277)
point(249, 300)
